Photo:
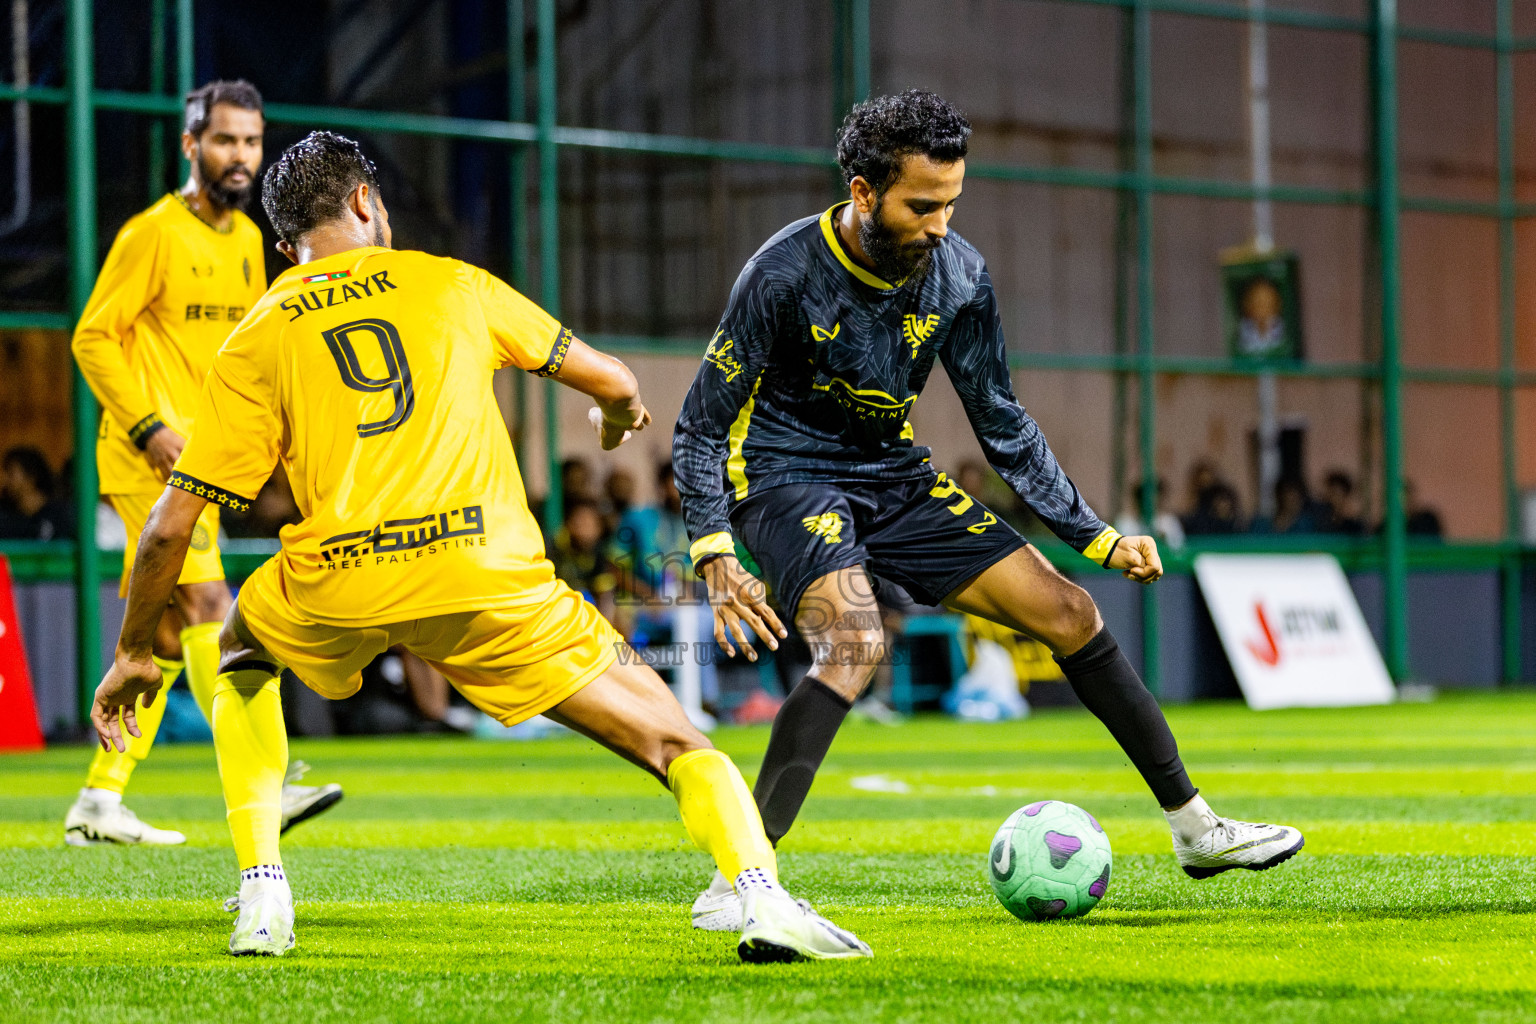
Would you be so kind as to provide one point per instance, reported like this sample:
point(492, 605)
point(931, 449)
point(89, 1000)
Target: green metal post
point(156, 86)
point(840, 88)
point(1141, 57)
point(1505, 72)
point(1125, 213)
point(549, 246)
point(859, 44)
point(186, 61)
point(1395, 536)
point(82, 275)
point(517, 190)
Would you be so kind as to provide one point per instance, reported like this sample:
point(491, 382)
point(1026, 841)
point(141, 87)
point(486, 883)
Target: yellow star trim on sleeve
point(217, 495)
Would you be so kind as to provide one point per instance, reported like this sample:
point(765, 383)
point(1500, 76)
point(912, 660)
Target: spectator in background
point(273, 509)
point(29, 509)
point(1341, 512)
point(1217, 512)
point(982, 482)
point(1202, 477)
point(620, 492)
point(1165, 525)
point(650, 553)
point(1293, 511)
point(576, 483)
point(651, 544)
point(972, 479)
point(432, 695)
point(1423, 521)
point(579, 557)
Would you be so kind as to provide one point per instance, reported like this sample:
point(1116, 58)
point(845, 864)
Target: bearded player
point(177, 280)
point(367, 372)
point(794, 442)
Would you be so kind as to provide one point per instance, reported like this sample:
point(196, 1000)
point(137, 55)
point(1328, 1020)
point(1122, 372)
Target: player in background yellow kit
point(179, 277)
point(367, 372)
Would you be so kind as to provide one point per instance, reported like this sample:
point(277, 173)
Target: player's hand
point(616, 427)
point(736, 597)
point(162, 450)
point(1137, 560)
point(126, 682)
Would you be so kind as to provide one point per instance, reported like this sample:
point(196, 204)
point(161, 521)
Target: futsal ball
point(1049, 860)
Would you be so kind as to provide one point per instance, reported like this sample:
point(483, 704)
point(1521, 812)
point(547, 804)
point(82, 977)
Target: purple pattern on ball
point(1094, 822)
point(1062, 848)
point(1096, 890)
point(1034, 808)
point(1045, 909)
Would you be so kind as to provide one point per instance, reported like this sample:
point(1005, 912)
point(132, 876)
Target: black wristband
point(1111, 553)
point(142, 431)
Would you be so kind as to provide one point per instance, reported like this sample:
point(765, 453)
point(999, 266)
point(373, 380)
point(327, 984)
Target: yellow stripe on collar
point(829, 233)
point(1102, 545)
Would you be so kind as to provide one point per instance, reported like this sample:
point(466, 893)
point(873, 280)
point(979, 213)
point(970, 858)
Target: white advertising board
point(1293, 631)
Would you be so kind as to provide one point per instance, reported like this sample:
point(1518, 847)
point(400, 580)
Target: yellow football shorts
point(203, 564)
point(512, 663)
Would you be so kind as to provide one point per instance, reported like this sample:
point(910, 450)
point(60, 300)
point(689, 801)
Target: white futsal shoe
point(1207, 845)
point(718, 908)
point(92, 820)
point(777, 928)
point(265, 924)
point(300, 803)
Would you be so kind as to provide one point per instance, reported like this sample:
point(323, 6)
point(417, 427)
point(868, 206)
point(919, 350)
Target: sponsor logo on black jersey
point(719, 353)
point(918, 329)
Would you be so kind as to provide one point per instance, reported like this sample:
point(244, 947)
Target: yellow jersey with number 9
point(368, 373)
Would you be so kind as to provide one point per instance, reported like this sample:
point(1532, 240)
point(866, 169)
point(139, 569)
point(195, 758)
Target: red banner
point(18, 711)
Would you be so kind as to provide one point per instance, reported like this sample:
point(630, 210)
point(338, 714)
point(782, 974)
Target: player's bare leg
point(1025, 592)
point(629, 710)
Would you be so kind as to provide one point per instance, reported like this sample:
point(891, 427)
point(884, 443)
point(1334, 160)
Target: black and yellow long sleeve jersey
point(814, 369)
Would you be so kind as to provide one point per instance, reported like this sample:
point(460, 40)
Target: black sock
point(802, 733)
point(1109, 687)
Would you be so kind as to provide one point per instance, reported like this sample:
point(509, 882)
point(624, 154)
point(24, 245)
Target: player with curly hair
point(794, 442)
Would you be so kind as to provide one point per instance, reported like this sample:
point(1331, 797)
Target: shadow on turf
point(121, 926)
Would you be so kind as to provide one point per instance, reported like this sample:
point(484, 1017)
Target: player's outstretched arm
point(619, 414)
point(156, 567)
point(976, 360)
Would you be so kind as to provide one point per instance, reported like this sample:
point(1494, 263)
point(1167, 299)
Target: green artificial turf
point(464, 880)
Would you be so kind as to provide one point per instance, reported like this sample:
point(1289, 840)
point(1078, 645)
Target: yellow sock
point(719, 813)
point(252, 746)
point(109, 769)
point(200, 647)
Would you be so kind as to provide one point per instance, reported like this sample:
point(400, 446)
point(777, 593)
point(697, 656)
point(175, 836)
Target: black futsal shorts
point(925, 534)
